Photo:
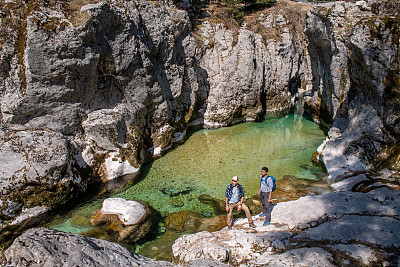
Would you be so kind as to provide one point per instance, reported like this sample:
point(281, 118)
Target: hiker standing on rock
point(265, 192)
point(234, 197)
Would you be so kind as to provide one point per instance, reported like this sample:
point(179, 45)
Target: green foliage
point(237, 8)
point(258, 3)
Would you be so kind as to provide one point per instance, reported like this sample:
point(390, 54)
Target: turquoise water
point(209, 159)
point(206, 162)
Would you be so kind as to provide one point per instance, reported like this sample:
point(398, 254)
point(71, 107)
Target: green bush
point(237, 8)
point(258, 3)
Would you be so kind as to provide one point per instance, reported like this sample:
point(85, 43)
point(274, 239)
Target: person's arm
point(227, 199)
point(270, 184)
point(240, 203)
point(226, 205)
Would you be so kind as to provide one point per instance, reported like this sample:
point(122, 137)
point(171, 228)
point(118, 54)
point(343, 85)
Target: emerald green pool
point(208, 159)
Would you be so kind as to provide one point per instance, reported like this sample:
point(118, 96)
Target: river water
point(205, 164)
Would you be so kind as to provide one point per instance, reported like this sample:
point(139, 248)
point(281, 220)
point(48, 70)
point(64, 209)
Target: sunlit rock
point(296, 257)
point(367, 219)
point(30, 216)
point(199, 246)
point(129, 218)
point(114, 167)
point(358, 252)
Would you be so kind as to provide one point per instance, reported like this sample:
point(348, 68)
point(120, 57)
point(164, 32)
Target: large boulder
point(39, 168)
point(308, 230)
point(130, 219)
point(45, 247)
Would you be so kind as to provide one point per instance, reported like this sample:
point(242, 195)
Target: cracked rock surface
point(317, 230)
point(47, 247)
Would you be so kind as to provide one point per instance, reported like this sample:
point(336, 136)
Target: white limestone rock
point(114, 167)
point(204, 263)
point(310, 210)
point(128, 211)
point(390, 199)
point(30, 216)
point(12, 208)
point(375, 230)
point(363, 5)
point(349, 67)
point(28, 155)
point(359, 252)
point(34, 165)
point(105, 128)
point(237, 245)
point(242, 64)
point(201, 245)
point(130, 219)
point(368, 218)
point(101, 84)
point(348, 183)
point(296, 257)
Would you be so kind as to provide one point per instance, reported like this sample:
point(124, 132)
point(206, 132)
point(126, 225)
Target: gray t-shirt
point(235, 195)
point(266, 187)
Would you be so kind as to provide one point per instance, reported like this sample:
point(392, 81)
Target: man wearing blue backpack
point(267, 186)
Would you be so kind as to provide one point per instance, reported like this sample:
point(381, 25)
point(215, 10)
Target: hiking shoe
point(266, 223)
point(252, 225)
point(262, 214)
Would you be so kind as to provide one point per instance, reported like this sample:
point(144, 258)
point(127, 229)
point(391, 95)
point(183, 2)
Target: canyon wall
point(87, 103)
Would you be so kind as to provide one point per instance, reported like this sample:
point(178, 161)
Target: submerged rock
point(218, 205)
point(130, 219)
point(176, 191)
point(191, 222)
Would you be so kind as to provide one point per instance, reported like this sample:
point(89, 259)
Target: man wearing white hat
point(234, 197)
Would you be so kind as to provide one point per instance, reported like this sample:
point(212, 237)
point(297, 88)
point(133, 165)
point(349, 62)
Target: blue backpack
point(273, 181)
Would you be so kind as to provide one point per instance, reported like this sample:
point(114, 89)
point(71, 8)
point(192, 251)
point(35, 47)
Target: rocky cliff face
point(90, 102)
point(354, 54)
point(256, 69)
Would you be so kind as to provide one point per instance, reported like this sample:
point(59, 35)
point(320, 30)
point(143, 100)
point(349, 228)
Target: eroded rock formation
point(92, 102)
point(47, 247)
